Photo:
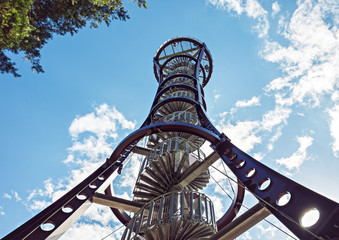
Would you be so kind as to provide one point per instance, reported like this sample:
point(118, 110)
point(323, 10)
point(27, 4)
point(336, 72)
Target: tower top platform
point(184, 47)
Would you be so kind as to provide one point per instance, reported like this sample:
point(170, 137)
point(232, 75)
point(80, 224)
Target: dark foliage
point(27, 25)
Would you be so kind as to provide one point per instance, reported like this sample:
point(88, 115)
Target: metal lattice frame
point(250, 173)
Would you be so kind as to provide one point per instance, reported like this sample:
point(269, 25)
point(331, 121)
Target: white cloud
point(256, 11)
point(69, 159)
point(246, 236)
point(275, 8)
point(254, 101)
point(218, 206)
point(39, 199)
point(310, 72)
point(90, 231)
point(267, 231)
point(6, 195)
point(100, 214)
point(16, 196)
point(92, 147)
point(274, 138)
point(278, 83)
point(298, 157)
point(275, 117)
point(244, 134)
point(131, 171)
point(222, 184)
point(216, 95)
point(101, 126)
point(247, 134)
point(102, 123)
point(310, 61)
point(334, 128)
point(335, 96)
point(230, 5)
point(252, 8)
point(39, 204)
point(259, 156)
point(83, 169)
point(49, 187)
point(1, 211)
point(206, 148)
point(92, 136)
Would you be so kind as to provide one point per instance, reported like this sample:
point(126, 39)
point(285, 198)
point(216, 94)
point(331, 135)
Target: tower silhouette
point(167, 202)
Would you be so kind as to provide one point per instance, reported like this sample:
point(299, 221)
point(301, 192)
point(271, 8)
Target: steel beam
point(195, 172)
point(141, 150)
point(299, 198)
point(241, 224)
point(76, 200)
point(115, 202)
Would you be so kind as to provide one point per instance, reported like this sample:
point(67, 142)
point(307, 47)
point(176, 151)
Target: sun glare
point(310, 218)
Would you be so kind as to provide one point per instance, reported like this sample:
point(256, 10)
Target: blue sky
point(274, 92)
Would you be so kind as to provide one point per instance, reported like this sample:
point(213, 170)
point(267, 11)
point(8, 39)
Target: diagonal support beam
point(115, 202)
point(241, 224)
point(141, 150)
point(194, 172)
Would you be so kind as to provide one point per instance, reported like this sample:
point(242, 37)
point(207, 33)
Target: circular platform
point(179, 55)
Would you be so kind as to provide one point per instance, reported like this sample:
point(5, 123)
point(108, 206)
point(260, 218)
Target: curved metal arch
point(189, 39)
point(202, 90)
point(205, 122)
point(163, 127)
point(204, 102)
point(121, 215)
point(179, 85)
point(233, 209)
point(187, 56)
point(175, 127)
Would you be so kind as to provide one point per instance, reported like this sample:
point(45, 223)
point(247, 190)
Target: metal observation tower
point(167, 200)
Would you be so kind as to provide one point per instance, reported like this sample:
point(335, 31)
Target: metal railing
point(171, 208)
point(178, 93)
point(174, 145)
point(182, 116)
point(176, 80)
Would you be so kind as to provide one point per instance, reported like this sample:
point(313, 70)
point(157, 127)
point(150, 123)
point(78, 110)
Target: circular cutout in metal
point(47, 226)
point(264, 184)
point(283, 198)
point(82, 196)
point(67, 209)
point(310, 217)
point(250, 173)
point(240, 164)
